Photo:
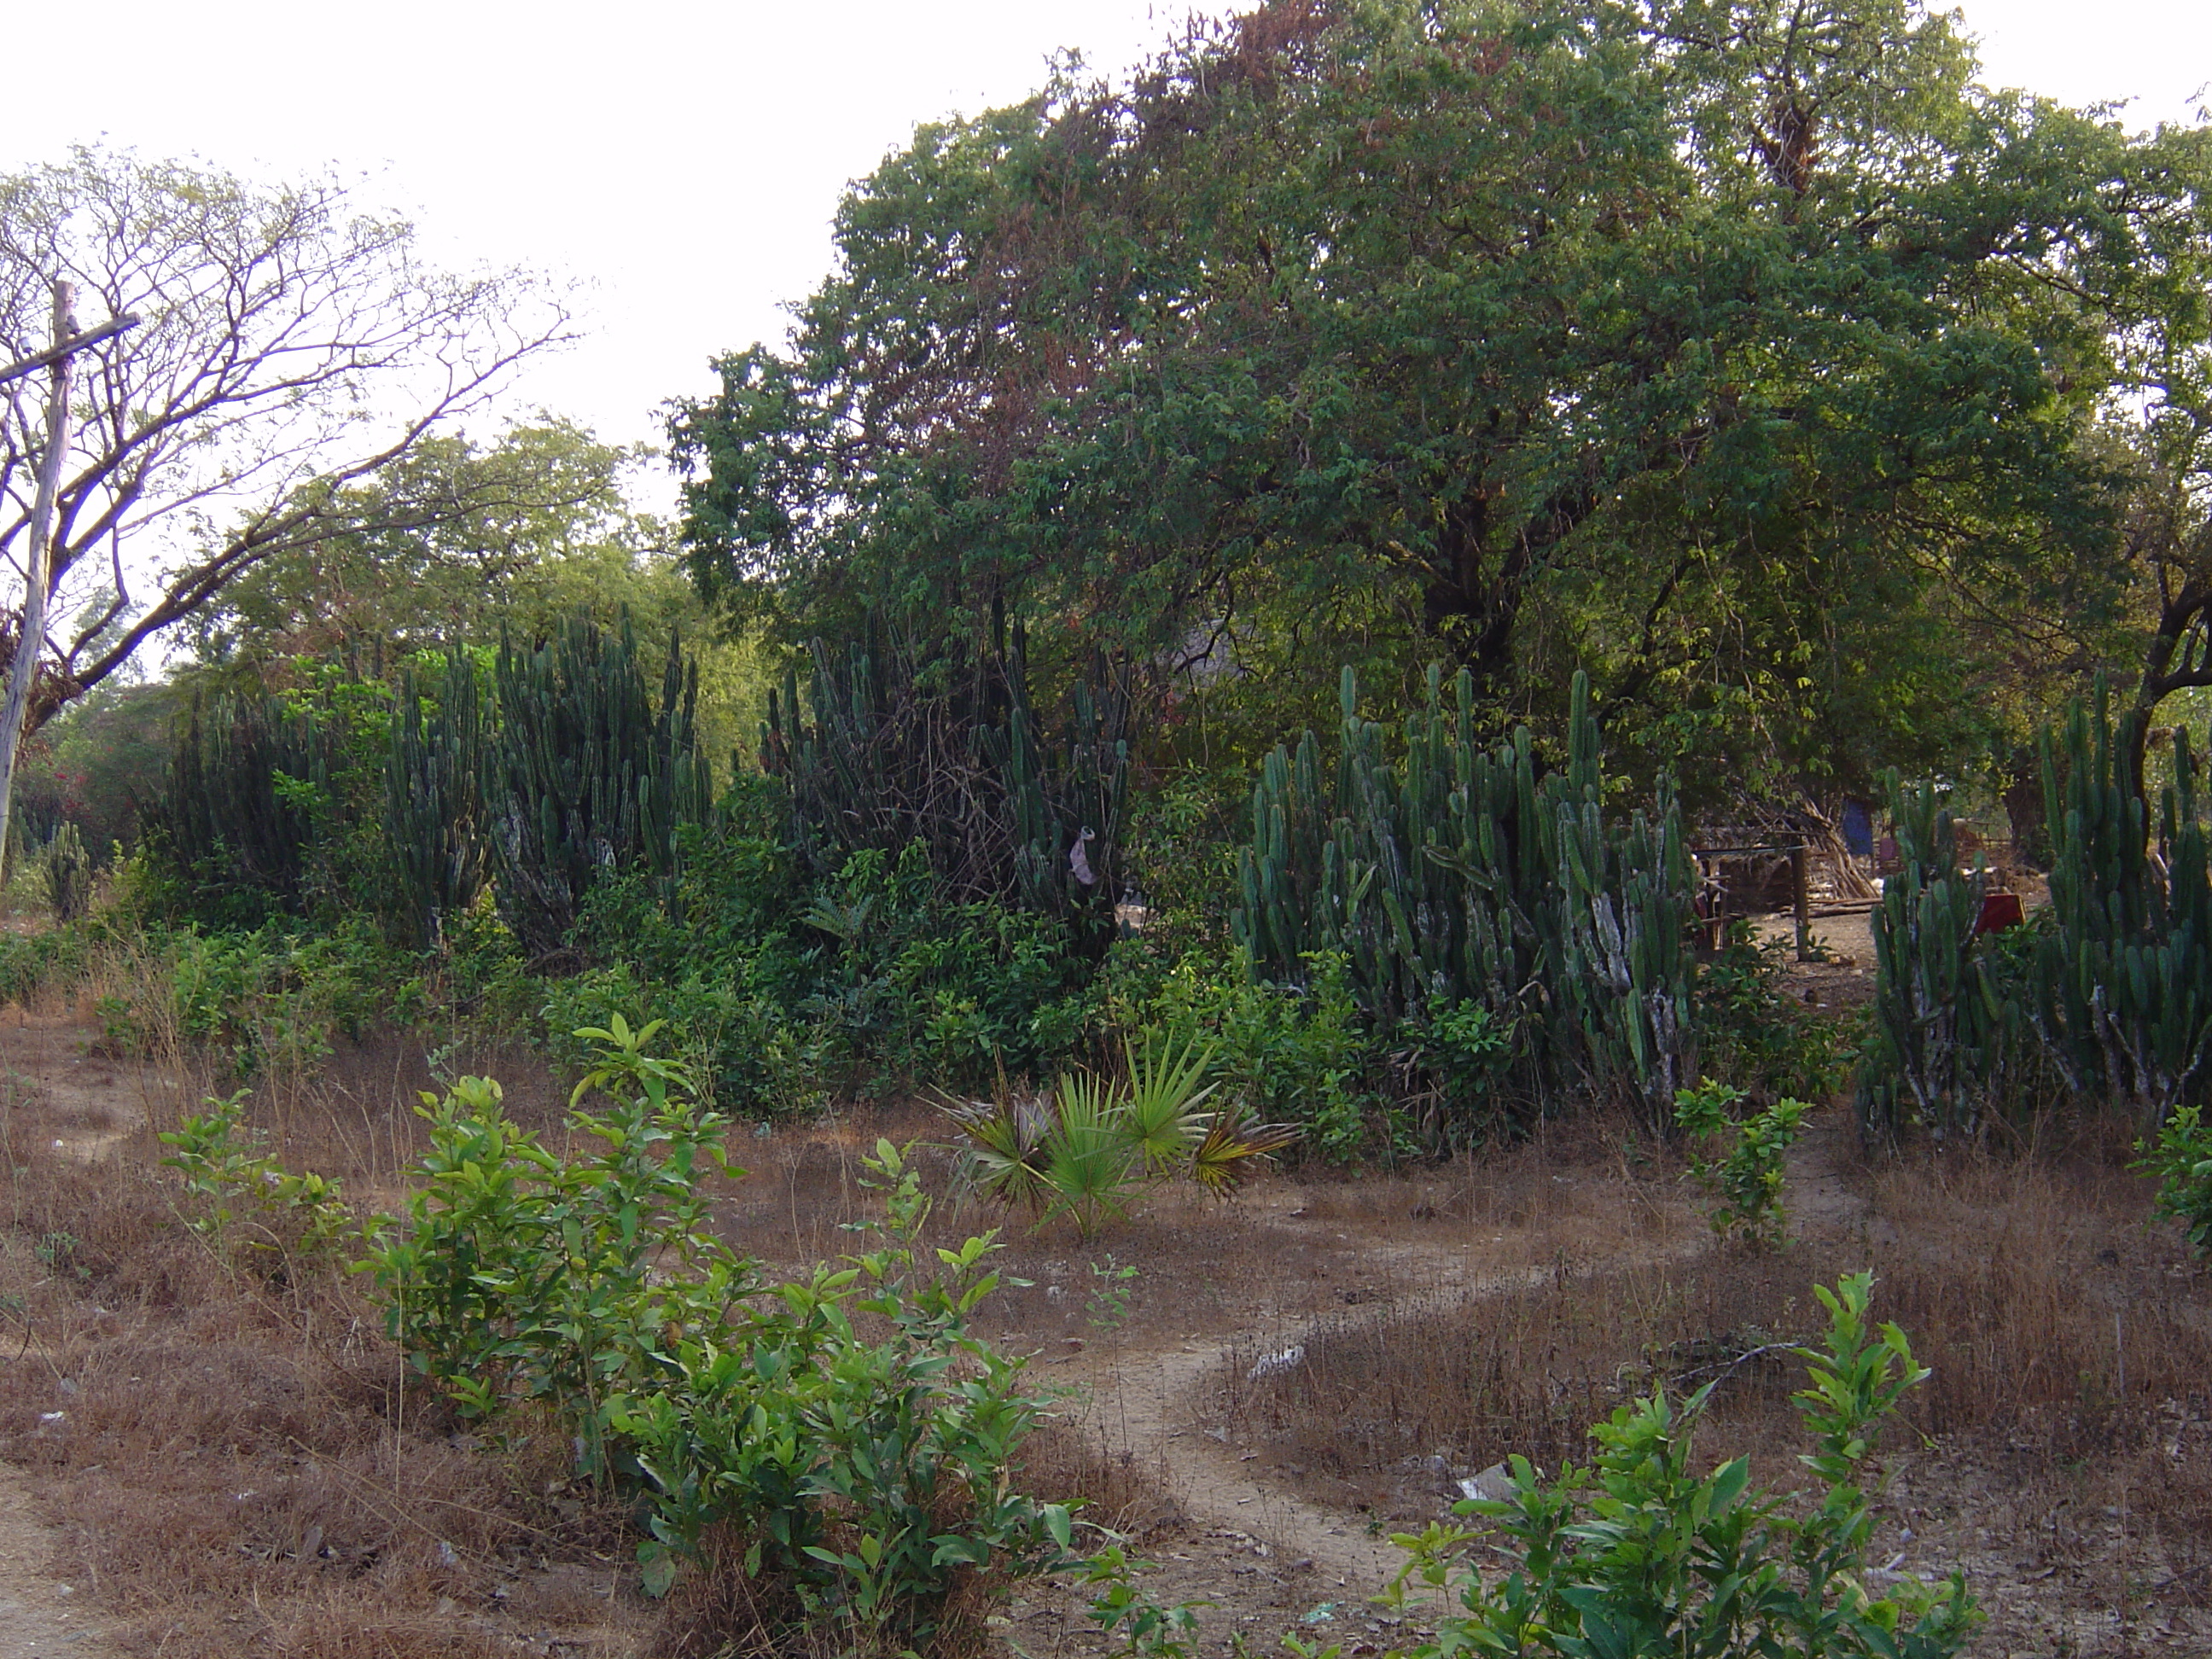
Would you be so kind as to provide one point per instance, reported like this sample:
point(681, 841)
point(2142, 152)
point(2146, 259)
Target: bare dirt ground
point(1155, 1377)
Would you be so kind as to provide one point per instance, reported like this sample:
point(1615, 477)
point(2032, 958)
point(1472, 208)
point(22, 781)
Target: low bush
point(1745, 1184)
point(2181, 1158)
point(1637, 1556)
point(1753, 1035)
point(1298, 1055)
point(240, 1188)
point(847, 1432)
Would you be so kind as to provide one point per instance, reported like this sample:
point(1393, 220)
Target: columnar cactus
point(887, 751)
point(434, 816)
point(585, 775)
point(1456, 876)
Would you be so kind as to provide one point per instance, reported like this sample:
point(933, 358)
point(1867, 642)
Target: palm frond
point(1166, 1086)
point(1233, 1147)
point(1005, 1141)
point(1091, 1167)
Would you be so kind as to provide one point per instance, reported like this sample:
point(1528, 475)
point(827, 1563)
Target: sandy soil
point(40, 1617)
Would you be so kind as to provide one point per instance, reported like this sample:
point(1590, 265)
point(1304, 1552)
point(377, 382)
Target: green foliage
point(271, 1000)
point(2181, 1158)
point(99, 761)
point(1517, 338)
point(1753, 1032)
point(787, 989)
point(517, 1275)
point(1456, 879)
point(937, 747)
point(848, 1428)
point(1125, 1613)
point(1160, 1106)
point(1639, 1557)
point(1289, 1054)
point(1745, 1185)
point(2109, 990)
point(587, 774)
point(444, 548)
point(237, 1181)
point(868, 1471)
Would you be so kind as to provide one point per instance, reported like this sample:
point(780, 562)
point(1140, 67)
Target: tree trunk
point(31, 634)
point(2024, 807)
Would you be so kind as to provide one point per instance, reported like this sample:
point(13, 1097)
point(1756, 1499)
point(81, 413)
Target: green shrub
point(847, 1429)
point(237, 1183)
point(1745, 1185)
point(869, 979)
point(1752, 1033)
point(273, 1000)
point(517, 1275)
point(2181, 1158)
point(1294, 1055)
point(869, 1472)
point(1639, 1557)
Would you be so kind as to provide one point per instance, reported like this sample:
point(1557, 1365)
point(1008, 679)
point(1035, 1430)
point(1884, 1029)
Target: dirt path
point(38, 1619)
point(87, 1107)
point(1154, 1405)
point(89, 1104)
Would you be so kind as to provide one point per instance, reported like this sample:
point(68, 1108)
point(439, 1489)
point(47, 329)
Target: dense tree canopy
point(537, 527)
point(1743, 353)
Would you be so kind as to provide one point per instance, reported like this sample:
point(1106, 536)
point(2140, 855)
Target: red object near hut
point(1999, 912)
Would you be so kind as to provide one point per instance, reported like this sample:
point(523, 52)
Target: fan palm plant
point(1006, 1146)
point(1091, 1165)
point(1159, 1113)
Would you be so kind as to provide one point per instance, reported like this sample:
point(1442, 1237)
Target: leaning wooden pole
point(31, 635)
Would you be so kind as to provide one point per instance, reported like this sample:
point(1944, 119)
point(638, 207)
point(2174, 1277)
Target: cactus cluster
point(882, 754)
point(584, 774)
point(2123, 992)
point(239, 807)
point(2112, 996)
point(562, 768)
point(1941, 1014)
point(434, 816)
point(1462, 874)
point(67, 867)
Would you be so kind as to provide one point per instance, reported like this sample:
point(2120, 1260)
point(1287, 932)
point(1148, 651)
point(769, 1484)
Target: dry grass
point(225, 1445)
point(236, 1470)
point(2071, 1348)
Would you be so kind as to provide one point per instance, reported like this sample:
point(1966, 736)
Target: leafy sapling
point(2181, 1158)
point(1639, 1556)
point(1744, 1186)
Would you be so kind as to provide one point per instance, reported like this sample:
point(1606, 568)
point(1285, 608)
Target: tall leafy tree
point(1727, 349)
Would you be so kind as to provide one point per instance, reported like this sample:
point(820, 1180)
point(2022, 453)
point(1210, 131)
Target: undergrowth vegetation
point(840, 1442)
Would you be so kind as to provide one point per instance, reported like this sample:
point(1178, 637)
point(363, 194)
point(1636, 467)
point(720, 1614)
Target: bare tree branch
point(288, 345)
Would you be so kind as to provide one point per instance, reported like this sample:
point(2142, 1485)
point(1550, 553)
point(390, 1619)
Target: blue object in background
point(1858, 828)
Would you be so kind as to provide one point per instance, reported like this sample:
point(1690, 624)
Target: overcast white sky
point(685, 159)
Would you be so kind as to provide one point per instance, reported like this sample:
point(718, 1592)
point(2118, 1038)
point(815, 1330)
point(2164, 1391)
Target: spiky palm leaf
point(1005, 1141)
point(1233, 1147)
point(1157, 1114)
point(1089, 1165)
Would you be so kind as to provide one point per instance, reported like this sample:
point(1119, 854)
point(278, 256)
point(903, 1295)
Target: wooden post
point(1800, 898)
point(31, 634)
